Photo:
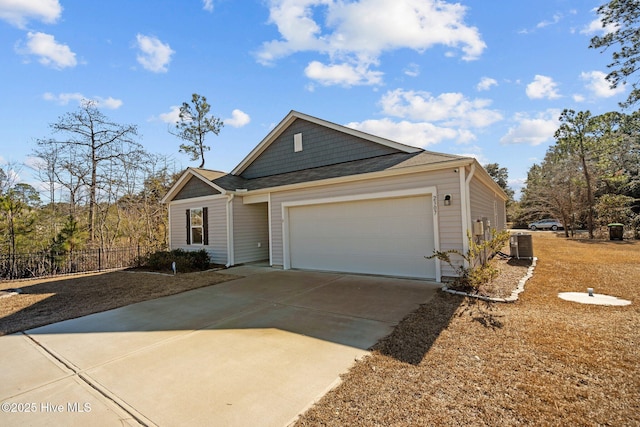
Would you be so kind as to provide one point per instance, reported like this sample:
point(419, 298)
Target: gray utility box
point(521, 246)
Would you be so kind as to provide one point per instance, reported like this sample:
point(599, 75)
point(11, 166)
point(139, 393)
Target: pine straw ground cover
point(51, 300)
point(539, 361)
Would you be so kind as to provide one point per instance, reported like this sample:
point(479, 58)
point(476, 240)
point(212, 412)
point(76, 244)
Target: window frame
point(194, 216)
point(193, 212)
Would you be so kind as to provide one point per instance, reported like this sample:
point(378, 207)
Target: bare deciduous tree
point(90, 145)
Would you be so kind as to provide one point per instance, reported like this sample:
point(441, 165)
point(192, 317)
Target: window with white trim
point(197, 226)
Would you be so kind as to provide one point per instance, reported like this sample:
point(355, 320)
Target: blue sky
point(478, 78)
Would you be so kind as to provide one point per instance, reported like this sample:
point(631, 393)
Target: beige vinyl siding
point(446, 182)
point(485, 203)
point(250, 228)
point(217, 215)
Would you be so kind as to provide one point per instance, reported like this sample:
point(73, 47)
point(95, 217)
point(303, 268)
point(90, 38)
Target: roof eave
point(462, 162)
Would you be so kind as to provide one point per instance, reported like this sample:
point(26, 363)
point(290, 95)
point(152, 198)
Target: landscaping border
point(512, 298)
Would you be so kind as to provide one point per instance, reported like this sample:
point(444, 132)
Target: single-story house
point(319, 196)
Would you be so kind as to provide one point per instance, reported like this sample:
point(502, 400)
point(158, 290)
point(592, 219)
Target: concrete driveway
point(253, 351)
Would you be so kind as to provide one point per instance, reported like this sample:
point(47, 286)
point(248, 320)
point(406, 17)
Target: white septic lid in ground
point(586, 298)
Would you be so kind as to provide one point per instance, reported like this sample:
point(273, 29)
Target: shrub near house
point(478, 268)
point(186, 261)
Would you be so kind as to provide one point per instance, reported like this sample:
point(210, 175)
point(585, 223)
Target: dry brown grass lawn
point(46, 301)
point(539, 361)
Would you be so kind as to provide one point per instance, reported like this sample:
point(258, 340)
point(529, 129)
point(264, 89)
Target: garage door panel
point(381, 236)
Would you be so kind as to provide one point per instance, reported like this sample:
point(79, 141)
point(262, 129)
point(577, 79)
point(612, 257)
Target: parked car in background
point(546, 224)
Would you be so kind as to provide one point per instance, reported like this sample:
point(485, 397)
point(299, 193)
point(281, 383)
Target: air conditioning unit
point(521, 246)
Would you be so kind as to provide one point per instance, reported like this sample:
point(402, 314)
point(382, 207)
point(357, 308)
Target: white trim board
point(196, 200)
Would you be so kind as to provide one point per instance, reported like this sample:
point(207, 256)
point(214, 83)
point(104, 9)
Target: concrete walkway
point(254, 351)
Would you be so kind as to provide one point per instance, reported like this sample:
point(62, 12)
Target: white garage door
point(377, 236)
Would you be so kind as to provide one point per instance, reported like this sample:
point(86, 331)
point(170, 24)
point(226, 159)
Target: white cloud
point(532, 130)
point(207, 5)
point(412, 70)
point(556, 18)
point(578, 97)
point(596, 26)
point(372, 26)
point(416, 134)
point(51, 53)
point(477, 154)
point(109, 103)
point(359, 32)
point(597, 84)
point(18, 13)
point(486, 83)
point(172, 116)
point(426, 120)
point(342, 74)
point(238, 119)
point(452, 109)
point(154, 55)
point(517, 183)
point(35, 163)
point(64, 98)
point(593, 27)
point(542, 87)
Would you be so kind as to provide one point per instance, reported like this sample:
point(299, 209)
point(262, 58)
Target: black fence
point(43, 264)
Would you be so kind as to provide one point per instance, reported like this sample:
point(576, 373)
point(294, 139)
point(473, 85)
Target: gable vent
point(297, 142)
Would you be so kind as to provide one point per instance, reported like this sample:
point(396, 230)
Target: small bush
point(479, 269)
point(186, 261)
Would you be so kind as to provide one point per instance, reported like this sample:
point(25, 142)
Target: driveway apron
point(253, 351)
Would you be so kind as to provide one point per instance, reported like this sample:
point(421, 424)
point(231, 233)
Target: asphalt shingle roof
point(356, 167)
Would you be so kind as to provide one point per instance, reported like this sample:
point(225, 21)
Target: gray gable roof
point(323, 143)
point(393, 161)
point(321, 146)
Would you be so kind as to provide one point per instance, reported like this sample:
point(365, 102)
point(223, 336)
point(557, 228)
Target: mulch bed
point(511, 271)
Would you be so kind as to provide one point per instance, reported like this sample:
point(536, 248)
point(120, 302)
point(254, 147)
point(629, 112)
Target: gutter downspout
point(230, 249)
point(270, 230)
point(466, 221)
point(169, 225)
